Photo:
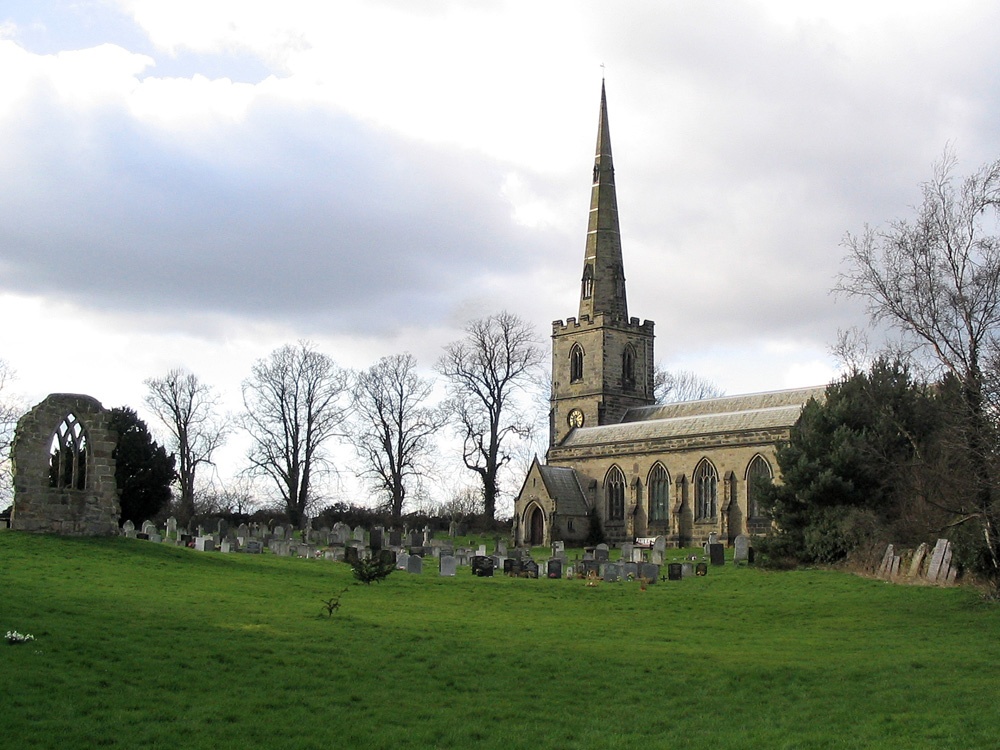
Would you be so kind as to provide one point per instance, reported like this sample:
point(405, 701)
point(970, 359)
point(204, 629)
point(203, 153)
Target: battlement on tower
point(601, 320)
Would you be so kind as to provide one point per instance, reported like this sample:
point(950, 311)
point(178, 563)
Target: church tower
point(602, 361)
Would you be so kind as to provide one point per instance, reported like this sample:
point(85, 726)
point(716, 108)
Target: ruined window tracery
point(68, 455)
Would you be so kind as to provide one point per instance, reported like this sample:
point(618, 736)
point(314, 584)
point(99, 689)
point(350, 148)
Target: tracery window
point(706, 490)
point(759, 474)
point(659, 493)
point(68, 455)
point(614, 492)
point(576, 363)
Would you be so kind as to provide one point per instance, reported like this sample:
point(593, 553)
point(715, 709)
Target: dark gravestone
point(590, 567)
point(717, 553)
point(511, 567)
point(482, 566)
point(375, 538)
point(554, 569)
point(387, 556)
point(630, 571)
point(601, 553)
point(612, 572)
point(674, 572)
point(395, 538)
point(701, 569)
point(351, 556)
point(649, 572)
point(530, 569)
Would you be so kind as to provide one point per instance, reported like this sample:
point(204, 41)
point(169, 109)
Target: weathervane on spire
point(602, 71)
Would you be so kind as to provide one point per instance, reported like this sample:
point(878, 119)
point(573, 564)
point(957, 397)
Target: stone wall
point(73, 493)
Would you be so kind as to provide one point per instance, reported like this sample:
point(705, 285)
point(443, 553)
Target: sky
point(193, 184)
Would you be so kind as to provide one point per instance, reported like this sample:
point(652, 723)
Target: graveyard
point(161, 645)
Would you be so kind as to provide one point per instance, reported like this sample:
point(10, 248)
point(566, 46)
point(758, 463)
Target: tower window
point(628, 368)
point(588, 282)
point(576, 364)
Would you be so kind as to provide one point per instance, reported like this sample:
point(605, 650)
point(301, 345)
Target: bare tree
point(682, 385)
point(393, 429)
point(936, 280)
point(190, 411)
point(295, 403)
point(11, 408)
point(485, 371)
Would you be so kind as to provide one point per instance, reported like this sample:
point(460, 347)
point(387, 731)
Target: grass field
point(146, 646)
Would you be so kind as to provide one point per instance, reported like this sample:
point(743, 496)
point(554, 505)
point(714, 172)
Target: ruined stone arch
point(64, 472)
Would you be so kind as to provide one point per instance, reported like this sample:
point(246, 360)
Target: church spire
point(602, 288)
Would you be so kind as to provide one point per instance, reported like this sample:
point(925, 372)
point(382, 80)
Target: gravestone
point(918, 560)
point(612, 572)
point(415, 565)
point(717, 554)
point(395, 538)
point(741, 549)
point(449, 565)
point(554, 568)
point(627, 548)
point(701, 569)
point(501, 547)
point(375, 538)
point(649, 572)
point(148, 527)
point(630, 570)
point(253, 547)
point(358, 534)
point(674, 572)
point(511, 566)
point(452, 529)
point(279, 532)
point(687, 570)
point(402, 560)
point(529, 569)
point(601, 553)
point(351, 555)
point(559, 549)
point(128, 528)
point(589, 567)
point(341, 533)
point(481, 552)
point(204, 544)
point(482, 566)
point(937, 557)
point(427, 536)
point(416, 539)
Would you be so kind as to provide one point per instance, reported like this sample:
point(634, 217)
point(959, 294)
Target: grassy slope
point(141, 645)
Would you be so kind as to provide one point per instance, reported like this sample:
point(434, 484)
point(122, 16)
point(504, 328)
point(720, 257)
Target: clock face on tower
point(575, 418)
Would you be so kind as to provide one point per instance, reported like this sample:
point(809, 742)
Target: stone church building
point(680, 470)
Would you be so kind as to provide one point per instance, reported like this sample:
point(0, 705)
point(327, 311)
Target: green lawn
point(143, 645)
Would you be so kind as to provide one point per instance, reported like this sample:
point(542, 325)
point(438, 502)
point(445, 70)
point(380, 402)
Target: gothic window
point(588, 282)
point(659, 494)
point(628, 368)
point(68, 455)
point(759, 474)
point(614, 492)
point(576, 363)
point(706, 491)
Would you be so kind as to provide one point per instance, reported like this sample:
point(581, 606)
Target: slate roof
point(563, 486)
point(686, 419)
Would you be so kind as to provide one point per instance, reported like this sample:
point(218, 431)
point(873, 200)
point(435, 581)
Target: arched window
point(706, 491)
point(576, 363)
point(628, 368)
point(68, 455)
point(759, 475)
point(659, 494)
point(614, 492)
point(588, 282)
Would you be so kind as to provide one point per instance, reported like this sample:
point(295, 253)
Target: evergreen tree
point(143, 470)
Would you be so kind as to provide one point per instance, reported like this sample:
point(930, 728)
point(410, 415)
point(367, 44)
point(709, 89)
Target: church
point(680, 470)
